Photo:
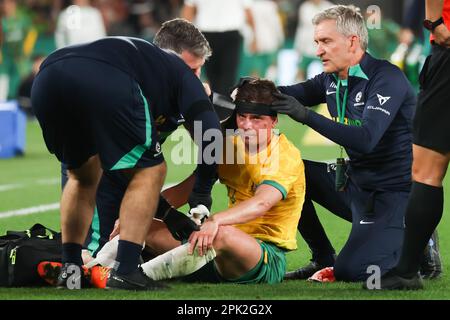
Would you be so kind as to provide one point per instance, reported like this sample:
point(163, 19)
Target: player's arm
point(266, 196)
point(433, 11)
point(385, 96)
point(310, 92)
point(200, 116)
point(209, 147)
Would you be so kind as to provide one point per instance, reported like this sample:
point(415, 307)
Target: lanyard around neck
point(341, 108)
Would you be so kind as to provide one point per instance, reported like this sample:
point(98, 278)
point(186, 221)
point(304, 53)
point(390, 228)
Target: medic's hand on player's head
point(286, 104)
point(242, 80)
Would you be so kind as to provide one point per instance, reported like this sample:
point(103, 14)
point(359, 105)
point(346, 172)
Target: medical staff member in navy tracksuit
point(372, 105)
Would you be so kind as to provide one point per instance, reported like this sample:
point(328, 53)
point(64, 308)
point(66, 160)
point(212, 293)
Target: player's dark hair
point(180, 35)
point(253, 91)
point(257, 91)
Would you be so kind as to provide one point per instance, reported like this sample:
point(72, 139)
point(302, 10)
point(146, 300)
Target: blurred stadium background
point(30, 177)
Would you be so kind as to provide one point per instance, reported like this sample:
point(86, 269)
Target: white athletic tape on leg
point(176, 263)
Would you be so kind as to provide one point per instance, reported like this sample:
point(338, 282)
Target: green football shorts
point(270, 269)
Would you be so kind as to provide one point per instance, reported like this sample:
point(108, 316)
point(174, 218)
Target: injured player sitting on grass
point(247, 242)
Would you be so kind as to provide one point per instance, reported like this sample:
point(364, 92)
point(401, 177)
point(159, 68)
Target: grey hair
point(349, 21)
point(179, 35)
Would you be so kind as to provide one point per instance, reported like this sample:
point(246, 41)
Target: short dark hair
point(257, 91)
point(180, 35)
point(253, 91)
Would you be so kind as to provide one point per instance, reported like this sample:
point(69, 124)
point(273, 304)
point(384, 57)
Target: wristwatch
point(431, 25)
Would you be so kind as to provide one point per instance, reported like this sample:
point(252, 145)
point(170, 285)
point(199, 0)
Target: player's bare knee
point(222, 239)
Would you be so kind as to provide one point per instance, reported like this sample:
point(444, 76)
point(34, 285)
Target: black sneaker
point(72, 276)
point(304, 272)
point(136, 280)
point(431, 266)
point(392, 281)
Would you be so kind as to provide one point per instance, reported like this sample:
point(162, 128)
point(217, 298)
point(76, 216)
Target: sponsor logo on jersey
point(382, 100)
point(349, 122)
point(378, 109)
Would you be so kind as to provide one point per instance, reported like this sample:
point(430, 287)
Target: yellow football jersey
point(279, 165)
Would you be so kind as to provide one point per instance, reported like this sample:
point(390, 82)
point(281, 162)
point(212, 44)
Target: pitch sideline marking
point(42, 181)
point(30, 210)
point(44, 207)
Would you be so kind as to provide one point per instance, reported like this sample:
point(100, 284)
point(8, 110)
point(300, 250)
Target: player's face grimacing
point(255, 130)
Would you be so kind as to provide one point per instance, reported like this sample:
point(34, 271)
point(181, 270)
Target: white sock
point(106, 257)
point(176, 263)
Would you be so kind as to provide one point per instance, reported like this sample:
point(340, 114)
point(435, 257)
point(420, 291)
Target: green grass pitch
point(33, 180)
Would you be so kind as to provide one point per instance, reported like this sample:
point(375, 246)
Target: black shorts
point(87, 107)
point(433, 106)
